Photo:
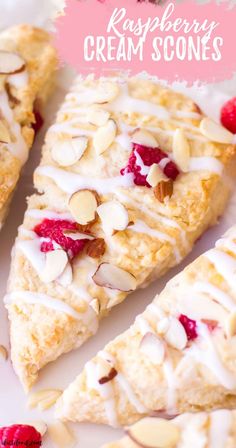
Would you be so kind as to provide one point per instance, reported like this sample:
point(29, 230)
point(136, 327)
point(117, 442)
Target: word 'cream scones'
point(27, 65)
point(130, 177)
point(179, 355)
point(215, 429)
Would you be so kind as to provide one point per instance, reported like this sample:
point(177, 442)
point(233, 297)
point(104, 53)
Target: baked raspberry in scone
point(178, 356)
point(130, 177)
point(27, 65)
point(203, 429)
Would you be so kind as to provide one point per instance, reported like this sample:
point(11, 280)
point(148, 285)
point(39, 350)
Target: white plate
point(59, 374)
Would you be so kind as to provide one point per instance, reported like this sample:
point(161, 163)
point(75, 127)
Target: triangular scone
point(107, 234)
point(27, 66)
point(215, 429)
point(178, 356)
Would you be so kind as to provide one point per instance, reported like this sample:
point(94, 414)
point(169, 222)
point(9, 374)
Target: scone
point(215, 429)
point(178, 356)
point(118, 208)
point(27, 65)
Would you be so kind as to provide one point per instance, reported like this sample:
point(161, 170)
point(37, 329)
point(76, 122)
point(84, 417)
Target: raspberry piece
point(148, 156)
point(19, 436)
point(228, 115)
point(53, 229)
point(190, 327)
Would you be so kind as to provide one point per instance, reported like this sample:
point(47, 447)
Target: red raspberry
point(53, 229)
point(228, 115)
point(148, 156)
point(190, 327)
point(20, 436)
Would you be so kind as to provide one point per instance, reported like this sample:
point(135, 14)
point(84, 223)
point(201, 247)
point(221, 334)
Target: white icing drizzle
point(71, 127)
point(221, 421)
point(210, 358)
point(31, 250)
point(171, 385)
point(72, 182)
point(205, 163)
point(224, 264)
point(48, 214)
point(18, 148)
point(216, 293)
point(41, 299)
point(143, 325)
point(141, 227)
point(130, 393)
point(105, 390)
point(144, 169)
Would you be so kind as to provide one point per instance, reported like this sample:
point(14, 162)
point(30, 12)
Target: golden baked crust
point(212, 429)
point(20, 93)
point(158, 234)
point(178, 356)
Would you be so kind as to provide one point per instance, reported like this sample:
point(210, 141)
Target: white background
point(12, 399)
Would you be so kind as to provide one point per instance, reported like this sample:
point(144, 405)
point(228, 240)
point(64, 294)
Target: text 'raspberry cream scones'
point(178, 356)
point(27, 65)
point(215, 429)
point(130, 177)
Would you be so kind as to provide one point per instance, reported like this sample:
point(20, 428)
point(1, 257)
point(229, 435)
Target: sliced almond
point(104, 136)
point(4, 133)
point(78, 235)
point(61, 436)
point(230, 325)
point(110, 276)
point(98, 116)
point(145, 138)
point(95, 304)
point(96, 248)
point(155, 175)
point(153, 432)
point(163, 325)
point(176, 335)
point(113, 215)
point(11, 63)
point(83, 205)
point(66, 278)
point(113, 301)
point(215, 131)
point(68, 152)
point(43, 399)
point(153, 347)
point(56, 262)
point(106, 92)
point(3, 353)
point(181, 150)
point(163, 190)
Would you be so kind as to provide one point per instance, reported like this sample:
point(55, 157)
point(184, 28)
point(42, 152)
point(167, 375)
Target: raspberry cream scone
point(215, 429)
point(178, 356)
point(27, 64)
point(130, 177)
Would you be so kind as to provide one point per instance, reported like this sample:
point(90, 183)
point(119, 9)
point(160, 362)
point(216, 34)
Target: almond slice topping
point(95, 304)
point(3, 353)
point(155, 175)
point(4, 133)
point(43, 399)
point(106, 92)
point(66, 278)
point(113, 215)
point(98, 116)
point(145, 138)
point(181, 150)
point(96, 248)
point(230, 325)
point(104, 136)
point(78, 235)
point(56, 262)
point(176, 335)
point(164, 189)
point(110, 276)
point(68, 152)
point(60, 435)
point(153, 432)
point(153, 348)
point(11, 63)
point(215, 131)
point(83, 205)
